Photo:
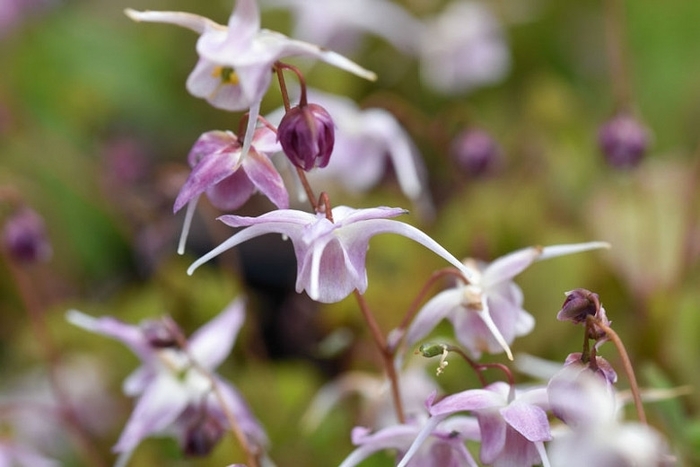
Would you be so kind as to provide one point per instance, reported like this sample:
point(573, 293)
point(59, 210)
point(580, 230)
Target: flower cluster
point(573, 417)
point(178, 393)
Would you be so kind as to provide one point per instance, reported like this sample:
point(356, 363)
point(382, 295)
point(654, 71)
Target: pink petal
point(196, 23)
point(212, 343)
point(266, 179)
point(158, 407)
point(528, 420)
point(434, 311)
point(469, 400)
point(507, 267)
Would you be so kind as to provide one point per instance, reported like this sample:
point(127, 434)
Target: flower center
point(226, 74)
point(472, 297)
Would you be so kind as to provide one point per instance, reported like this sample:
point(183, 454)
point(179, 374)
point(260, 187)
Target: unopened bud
point(24, 237)
point(579, 303)
point(202, 436)
point(162, 333)
point(599, 366)
point(623, 141)
point(431, 350)
point(307, 135)
point(475, 152)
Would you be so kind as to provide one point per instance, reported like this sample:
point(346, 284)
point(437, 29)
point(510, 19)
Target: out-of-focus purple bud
point(307, 135)
point(162, 333)
point(579, 303)
point(202, 436)
point(600, 367)
point(24, 237)
point(623, 141)
point(475, 152)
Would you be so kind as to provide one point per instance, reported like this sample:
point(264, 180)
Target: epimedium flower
point(443, 447)
point(594, 433)
point(175, 397)
point(330, 254)
point(235, 61)
point(229, 178)
point(365, 139)
point(338, 24)
point(487, 312)
point(463, 48)
point(513, 424)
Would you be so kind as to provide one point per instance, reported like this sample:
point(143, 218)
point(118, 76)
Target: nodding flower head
point(307, 134)
point(623, 141)
point(24, 237)
point(475, 152)
point(202, 436)
point(579, 303)
point(162, 333)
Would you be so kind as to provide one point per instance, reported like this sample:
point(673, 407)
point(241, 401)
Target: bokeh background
point(95, 126)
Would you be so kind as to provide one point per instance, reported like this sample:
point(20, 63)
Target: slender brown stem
point(252, 452)
point(627, 365)
point(479, 368)
point(283, 87)
point(324, 203)
point(307, 189)
point(52, 357)
point(386, 354)
point(279, 68)
point(614, 13)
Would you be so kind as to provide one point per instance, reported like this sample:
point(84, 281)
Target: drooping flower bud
point(579, 303)
point(162, 333)
point(24, 237)
point(202, 436)
point(307, 135)
point(599, 366)
point(623, 141)
point(475, 152)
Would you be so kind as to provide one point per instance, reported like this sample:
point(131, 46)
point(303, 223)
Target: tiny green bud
point(431, 349)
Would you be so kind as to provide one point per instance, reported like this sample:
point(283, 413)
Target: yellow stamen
point(226, 74)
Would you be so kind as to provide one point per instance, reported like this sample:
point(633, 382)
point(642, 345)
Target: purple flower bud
point(202, 436)
point(24, 237)
point(475, 152)
point(600, 367)
point(307, 134)
point(623, 141)
point(162, 333)
point(579, 303)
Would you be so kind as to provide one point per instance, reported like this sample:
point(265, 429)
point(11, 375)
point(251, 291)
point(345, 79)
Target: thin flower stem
point(479, 368)
point(52, 357)
point(307, 189)
point(627, 364)
point(413, 309)
point(252, 453)
point(617, 57)
point(279, 70)
point(283, 87)
point(324, 202)
point(386, 354)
